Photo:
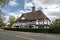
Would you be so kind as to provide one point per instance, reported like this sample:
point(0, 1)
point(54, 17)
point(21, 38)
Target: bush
point(31, 30)
point(56, 26)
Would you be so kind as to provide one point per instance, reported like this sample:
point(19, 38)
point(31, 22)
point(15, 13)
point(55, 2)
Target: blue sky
point(17, 7)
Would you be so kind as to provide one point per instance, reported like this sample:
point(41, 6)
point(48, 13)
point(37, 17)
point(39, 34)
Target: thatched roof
point(34, 15)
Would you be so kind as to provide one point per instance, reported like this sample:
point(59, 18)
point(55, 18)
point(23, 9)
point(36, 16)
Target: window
point(23, 18)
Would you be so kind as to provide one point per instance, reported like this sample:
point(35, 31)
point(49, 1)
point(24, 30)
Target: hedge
point(32, 30)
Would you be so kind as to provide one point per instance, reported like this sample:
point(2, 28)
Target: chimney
point(33, 9)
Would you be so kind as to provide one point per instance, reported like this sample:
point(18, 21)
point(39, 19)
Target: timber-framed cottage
point(34, 19)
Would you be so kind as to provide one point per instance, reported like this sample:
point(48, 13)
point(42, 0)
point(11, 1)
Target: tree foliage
point(11, 20)
point(1, 21)
point(3, 2)
point(55, 24)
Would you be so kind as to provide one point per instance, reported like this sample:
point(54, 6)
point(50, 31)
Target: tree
point(1, 21)
point(56, 26)
point(2, 4)
point(56, 23)
point(11, 20)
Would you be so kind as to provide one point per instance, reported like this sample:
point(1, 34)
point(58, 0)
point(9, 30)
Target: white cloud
point(28, 5)
point(12, 14)
point(52, 13)
point(48, 2)
point(52, 18)
point(17, 14)
point(50, 8)
point(37, 3)
point(13, 3)
point(6, 19)
point(52, 1)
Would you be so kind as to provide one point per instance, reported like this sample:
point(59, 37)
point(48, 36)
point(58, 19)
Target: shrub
point(56, 26)
point(31, 30)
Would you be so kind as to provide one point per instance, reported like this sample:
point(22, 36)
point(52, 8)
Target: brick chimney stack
point(33, 9)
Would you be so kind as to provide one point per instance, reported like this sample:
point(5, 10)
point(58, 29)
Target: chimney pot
point(33, 9)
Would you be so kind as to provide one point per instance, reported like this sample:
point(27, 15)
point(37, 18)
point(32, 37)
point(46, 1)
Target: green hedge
point(32, 30)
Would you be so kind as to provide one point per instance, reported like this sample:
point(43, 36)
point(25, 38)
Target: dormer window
point(23, 18)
